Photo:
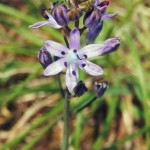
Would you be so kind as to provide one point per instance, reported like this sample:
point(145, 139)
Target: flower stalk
point(55, 57)
point(65, 143)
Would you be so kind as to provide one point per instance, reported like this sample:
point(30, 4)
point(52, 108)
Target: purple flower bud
point(74, 13)
point(44, 57)
point(92, 18)
point(59, 12)
point(93, 33)
point(100, 88)
point(80, 88)
point(111, 45)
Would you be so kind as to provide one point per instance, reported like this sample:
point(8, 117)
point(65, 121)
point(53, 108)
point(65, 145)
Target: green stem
point(77, 24)
point(60, 86)
point(66, 121)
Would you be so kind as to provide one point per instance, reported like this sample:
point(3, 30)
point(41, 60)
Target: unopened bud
point(80, 88)
point(92, 18)
point(93, 33)
point(74, 13)
point(100, 88)
point(44, 57)
point(59, 12)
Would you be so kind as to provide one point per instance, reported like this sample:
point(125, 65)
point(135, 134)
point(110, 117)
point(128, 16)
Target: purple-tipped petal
point(91, 68)
point(109, 16)
point(55, 48)
point(110, 45)
point(55, 67)
point(72, 77)
point(74, 39)
point(94, 50)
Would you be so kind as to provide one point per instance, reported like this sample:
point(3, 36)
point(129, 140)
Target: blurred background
point(31, 104)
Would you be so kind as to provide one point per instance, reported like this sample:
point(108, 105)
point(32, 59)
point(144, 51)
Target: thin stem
point(82, 30)
point(77, 24)
point(66, 121)
point(68, 29)
point(66, 41)
point(60, 86)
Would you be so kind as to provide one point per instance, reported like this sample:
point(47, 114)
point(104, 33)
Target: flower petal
point(55, 48)
point(90, 51)
point(93, 50)
point(74, 39)
point(109, 16)
point(55, 67)
point(90, 68)
point(51, 22)
point(72, 77)
point(39, 24)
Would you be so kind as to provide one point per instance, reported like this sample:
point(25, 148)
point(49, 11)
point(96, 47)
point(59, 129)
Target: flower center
point(71, 57)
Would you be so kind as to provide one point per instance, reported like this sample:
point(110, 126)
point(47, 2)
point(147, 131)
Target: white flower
point(74, 57)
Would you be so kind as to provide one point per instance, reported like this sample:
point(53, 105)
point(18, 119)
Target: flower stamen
point(79, 57)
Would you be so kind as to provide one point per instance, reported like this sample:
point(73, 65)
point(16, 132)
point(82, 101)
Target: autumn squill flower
point(56, 58)
point(73, 57)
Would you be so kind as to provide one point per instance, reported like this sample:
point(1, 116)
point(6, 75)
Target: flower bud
point(92, 18)
point(74, 13)
point(80, 88)
point(86, 5)
point(93, 33)
point(44, 57)
point(59, 12)
point(100, 88)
